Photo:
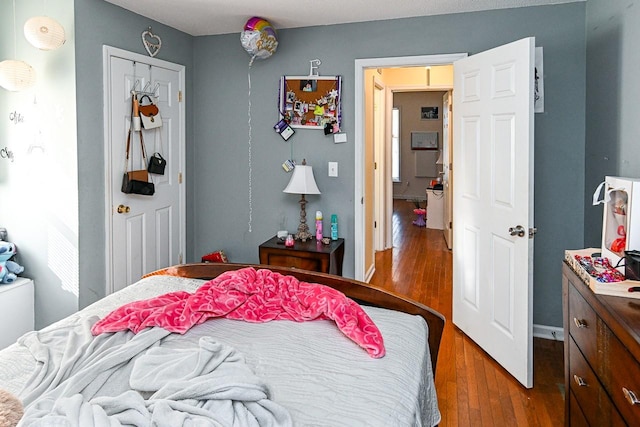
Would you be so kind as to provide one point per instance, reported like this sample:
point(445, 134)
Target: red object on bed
point(250, 295)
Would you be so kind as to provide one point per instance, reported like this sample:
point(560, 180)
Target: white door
point(146, 232)
point(493, 200)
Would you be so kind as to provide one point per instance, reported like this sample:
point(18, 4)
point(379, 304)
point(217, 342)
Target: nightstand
point(16, 310)
point(310, 255)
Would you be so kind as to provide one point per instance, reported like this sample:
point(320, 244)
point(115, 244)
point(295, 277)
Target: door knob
point(123, 209)
point(517, 231)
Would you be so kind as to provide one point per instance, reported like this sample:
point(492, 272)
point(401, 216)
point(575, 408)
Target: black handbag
point(136, 181)
point(157, 164)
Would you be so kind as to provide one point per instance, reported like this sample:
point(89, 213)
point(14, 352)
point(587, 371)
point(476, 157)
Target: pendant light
point(16, 75)
point(44, 33)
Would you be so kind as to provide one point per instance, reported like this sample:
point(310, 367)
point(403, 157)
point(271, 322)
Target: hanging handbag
point(136, 181)
point(157, 164)
point(149, 114)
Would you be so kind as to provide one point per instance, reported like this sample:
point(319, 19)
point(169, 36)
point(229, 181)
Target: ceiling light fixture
point(44, 33)
point(16, 75)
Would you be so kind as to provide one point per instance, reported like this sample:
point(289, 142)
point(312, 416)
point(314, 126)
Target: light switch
point(333, 168)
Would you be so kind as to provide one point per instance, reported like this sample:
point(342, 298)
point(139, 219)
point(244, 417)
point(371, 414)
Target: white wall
point(409, 104)
point(39, 188)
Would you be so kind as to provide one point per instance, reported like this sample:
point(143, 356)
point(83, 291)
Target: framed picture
point(429, 113)
point(424, 140)
point(311, 102)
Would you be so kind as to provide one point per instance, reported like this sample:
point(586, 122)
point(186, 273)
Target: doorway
point(364, 262)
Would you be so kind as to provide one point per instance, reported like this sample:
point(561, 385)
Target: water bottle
point(334, 227)
point(318, 225)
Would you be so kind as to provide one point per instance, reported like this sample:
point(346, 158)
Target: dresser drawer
point(622, 380)
point(584, 384)
point(583, 325)
point(576, 417)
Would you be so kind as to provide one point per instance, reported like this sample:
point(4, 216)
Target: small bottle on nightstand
point(334, 227)
point(318, 225)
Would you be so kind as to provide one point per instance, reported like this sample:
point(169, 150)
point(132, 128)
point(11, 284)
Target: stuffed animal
point(8, 269)
point(11, 409)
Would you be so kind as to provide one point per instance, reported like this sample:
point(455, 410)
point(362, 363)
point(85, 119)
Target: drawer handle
point(580, 381)
point(630, 396)
point(580, 323)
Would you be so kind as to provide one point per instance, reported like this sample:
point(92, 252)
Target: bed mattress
point(319, 375)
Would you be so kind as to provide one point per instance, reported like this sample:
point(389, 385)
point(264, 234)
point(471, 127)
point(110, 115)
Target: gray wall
point(612, 125)
point(220, 206)
point(100, 23)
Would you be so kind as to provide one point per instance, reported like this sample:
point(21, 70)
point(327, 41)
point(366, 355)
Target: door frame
point(359, 167)
point(107, 53)
point(380, 182)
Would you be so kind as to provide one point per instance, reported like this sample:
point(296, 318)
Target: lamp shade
point(302, 181)
point(44, 33)
point(16, 75)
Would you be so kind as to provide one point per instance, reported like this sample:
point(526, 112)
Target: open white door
point(493, 203)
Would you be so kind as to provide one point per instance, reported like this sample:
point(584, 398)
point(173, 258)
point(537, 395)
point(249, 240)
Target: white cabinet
point(435, 209)
point(16, 310)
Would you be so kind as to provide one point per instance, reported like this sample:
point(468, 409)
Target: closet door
point(146, 232)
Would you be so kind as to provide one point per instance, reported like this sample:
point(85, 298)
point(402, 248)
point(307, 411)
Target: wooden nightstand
point(310, 255)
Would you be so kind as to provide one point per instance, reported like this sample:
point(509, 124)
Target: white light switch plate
point(333, 168)
point(339, 137)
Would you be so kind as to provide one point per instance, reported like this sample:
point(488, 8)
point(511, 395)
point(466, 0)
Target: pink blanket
point(250, 295)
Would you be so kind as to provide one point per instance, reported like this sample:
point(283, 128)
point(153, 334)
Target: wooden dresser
point(602, 356)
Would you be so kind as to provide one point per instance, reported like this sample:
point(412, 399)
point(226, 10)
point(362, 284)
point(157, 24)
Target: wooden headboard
point(356, 290)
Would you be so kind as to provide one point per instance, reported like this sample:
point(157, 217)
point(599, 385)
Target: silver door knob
point(517, 231)
point(123, 209)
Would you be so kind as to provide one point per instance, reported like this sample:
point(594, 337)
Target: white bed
point(311, 370)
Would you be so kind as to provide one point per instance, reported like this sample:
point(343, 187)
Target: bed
point(277, 373)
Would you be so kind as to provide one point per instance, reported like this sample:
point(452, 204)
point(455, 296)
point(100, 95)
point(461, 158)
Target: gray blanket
point(126, 379)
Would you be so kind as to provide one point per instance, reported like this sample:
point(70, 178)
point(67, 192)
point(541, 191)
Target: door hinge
point(180, 258)
point(375, 224)
point(179, 177)
point(375, 165)
point(179, 96)
point(450, 225)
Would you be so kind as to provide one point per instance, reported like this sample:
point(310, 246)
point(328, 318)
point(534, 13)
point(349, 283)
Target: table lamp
point(302, 182)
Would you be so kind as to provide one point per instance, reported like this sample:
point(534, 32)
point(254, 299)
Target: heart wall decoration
point(152, 42)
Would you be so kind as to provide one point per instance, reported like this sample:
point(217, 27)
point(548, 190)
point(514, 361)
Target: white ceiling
point(209, 17)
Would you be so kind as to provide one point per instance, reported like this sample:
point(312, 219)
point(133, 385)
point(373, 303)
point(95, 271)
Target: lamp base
point(303, 229)
point(303, 233)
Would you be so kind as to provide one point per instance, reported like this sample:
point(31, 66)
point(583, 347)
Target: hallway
point(473, 390)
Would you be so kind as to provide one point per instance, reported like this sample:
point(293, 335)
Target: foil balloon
point(259, 38)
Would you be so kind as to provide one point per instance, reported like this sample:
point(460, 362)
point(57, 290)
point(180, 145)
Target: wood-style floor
point(473, 390)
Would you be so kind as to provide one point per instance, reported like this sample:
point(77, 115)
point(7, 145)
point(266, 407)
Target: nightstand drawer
point(583, 325)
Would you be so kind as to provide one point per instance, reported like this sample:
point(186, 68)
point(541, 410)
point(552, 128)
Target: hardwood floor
point(473, 390)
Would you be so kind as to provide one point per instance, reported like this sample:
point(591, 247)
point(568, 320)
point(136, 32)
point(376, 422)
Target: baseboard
point(548, 332)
